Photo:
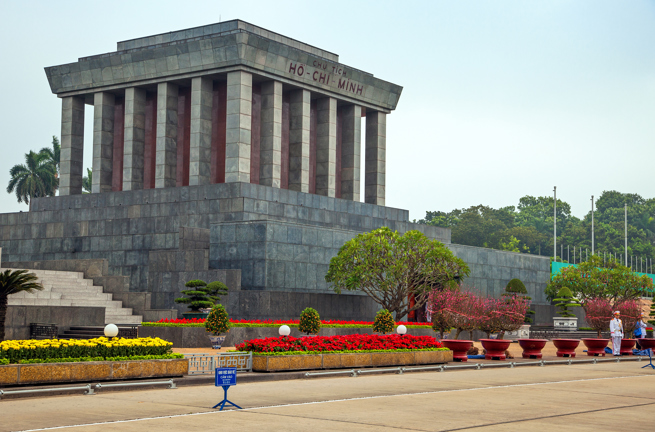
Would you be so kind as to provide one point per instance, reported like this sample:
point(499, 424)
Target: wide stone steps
point(71, 289)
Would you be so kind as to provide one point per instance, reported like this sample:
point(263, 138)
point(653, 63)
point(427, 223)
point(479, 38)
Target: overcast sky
point(501, 99)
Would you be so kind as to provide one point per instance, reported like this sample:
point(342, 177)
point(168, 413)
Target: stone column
point(326, 146)
point(166, 141)
point(72, 145)
point(376, 156)
point(299, 125)
point(200, 153)
point(238, 127)
point(135, 136)
point(351, 150)
point(270, 167)
point(103, 142)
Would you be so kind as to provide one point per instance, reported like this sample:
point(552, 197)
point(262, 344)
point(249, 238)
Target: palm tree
point(11, 282)
point(53, 154)
point(34, 179)
point(86, 181)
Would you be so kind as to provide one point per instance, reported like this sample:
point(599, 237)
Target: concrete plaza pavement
point(573, 398)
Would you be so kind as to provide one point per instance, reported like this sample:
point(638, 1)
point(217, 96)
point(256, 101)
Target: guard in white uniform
point(616, 330)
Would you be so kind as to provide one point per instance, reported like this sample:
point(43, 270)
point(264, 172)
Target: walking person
point(640, 329)
point(616, 331)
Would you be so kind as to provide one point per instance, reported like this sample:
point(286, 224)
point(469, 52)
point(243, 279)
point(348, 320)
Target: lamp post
point(555, 222)
point(592, 225)
point(626, 234)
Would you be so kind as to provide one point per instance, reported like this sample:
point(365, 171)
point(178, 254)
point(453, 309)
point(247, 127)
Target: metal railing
point(205, 364)
point(89, 389)
point(476, 366)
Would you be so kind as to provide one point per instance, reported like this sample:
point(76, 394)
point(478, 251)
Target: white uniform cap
point(617, 312)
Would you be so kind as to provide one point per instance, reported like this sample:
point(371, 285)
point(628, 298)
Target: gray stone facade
point(130, 230)
point(491, 270)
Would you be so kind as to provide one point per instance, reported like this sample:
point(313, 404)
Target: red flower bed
point(281, 322)
point(339, 343)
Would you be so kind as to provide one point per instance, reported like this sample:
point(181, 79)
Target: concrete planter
point(522, 333)
point(264, 363)
point(565, 324)
point(196, 337)
point(48, 373)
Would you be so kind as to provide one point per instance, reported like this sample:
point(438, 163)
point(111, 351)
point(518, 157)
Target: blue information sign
point(226, 377)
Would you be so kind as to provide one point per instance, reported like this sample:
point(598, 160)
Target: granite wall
point(491, 270)
point(19, 318)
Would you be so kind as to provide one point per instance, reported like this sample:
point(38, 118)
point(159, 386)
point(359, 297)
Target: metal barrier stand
point(205, 364)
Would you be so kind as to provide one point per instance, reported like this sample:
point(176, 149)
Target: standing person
point(616, 330)
point(640, 329)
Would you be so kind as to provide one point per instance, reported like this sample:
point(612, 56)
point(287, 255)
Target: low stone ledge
point(276, 363)
point(46, 373)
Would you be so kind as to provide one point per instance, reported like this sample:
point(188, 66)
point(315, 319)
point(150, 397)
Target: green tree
point(593, 279)
point(36, 178)
point(390, 268)
point(87, 181)
point(53, 153)
point(12, 282)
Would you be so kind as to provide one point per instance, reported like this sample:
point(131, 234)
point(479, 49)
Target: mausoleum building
point(225, 152)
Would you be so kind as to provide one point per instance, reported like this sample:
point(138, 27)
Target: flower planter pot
point(217, 341)
point(495, 348)
point(647, 343)
point(532, 347)
point(266, 363)
point(50, 373)
point(459, 348)
point(595, 347)
point(627, 345)
point(566, 347)
point(197, 315)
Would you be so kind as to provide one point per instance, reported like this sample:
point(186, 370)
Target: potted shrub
point(567, 321)
point(383, 322)
point(630, 310)
point(201, 296)
point(444, 307)
point(598, 313)
point(217, 322)
point(509, 315)
point(310, 322)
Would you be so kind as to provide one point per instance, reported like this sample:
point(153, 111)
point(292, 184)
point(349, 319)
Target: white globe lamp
point(284, 330)
point(401, 329)
point(111, 330)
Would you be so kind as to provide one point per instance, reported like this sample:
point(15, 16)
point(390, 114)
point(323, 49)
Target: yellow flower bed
point(16, 350)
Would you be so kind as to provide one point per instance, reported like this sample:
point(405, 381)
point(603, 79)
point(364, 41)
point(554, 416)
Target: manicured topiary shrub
point(217, 321)
point(201, 295)
point(310, 321)
point(564, 301)
point(383, 322)
point(516, 286)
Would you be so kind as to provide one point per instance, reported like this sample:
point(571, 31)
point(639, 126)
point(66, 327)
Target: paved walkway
point(572, 398)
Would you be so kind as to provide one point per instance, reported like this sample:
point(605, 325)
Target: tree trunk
point(501, 334)
point(599, 335)
point(3, 316)
point(457, 333)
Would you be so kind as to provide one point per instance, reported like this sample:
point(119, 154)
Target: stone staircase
point(62, 288)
